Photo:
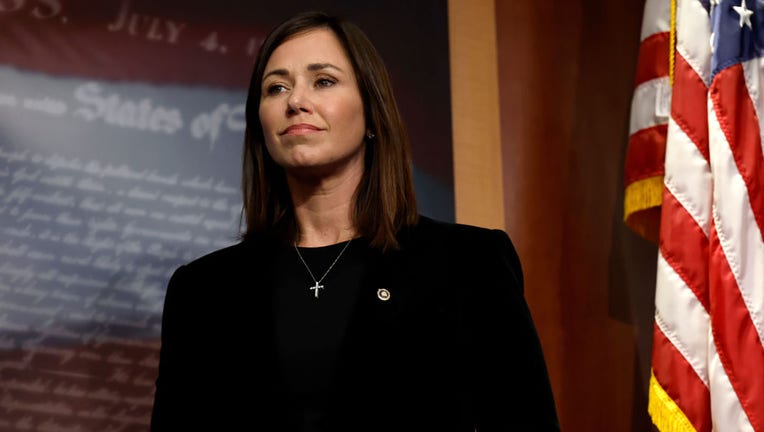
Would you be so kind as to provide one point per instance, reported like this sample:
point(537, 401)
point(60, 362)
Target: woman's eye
point(325, 82)
point(275, 89)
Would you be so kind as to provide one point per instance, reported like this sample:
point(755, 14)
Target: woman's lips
point(300, 129)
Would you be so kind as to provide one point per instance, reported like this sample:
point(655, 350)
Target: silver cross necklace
point(317, 283)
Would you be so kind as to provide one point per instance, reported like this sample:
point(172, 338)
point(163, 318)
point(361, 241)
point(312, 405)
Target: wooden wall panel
point(565, 76)
point(478, 192)
point(565, 73)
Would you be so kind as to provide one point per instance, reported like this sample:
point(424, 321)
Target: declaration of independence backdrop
point(121, 125)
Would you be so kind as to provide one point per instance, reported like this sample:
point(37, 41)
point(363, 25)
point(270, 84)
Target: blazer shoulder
point(224, 257)
point(459, 235)
point(201, 270)
point(212, 280)
point(483, 247)
point(226, 264)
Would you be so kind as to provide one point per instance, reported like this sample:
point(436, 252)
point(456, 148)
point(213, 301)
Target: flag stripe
point(680, 382)
point(736, 339)
point(693, 36)
point(688, 102)
point(647, 149)
point(726, 412)
point(688, 176)
point(681, 318)
point(656, 18)
point(737, 118)
point(751, 73)
point(643, 105)
point(686, 249)
point(653, 59)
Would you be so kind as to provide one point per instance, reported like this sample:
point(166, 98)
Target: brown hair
point(384, 200)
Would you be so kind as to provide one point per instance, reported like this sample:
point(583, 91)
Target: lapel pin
point(383, 294)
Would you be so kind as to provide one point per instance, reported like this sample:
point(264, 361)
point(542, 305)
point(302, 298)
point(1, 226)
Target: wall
point(565, 76)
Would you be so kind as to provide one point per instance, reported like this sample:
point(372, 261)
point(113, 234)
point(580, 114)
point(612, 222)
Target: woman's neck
point(323, 210)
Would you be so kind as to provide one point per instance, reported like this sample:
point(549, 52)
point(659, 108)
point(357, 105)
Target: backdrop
point(121, 125)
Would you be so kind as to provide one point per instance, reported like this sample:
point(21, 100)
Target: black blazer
point(453, 349)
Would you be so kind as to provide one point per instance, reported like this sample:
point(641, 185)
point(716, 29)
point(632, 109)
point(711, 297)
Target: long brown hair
point(384, 200)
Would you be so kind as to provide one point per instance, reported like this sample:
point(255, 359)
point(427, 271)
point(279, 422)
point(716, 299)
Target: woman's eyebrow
point(279, 72)
point(320, 66)
point(311, 67)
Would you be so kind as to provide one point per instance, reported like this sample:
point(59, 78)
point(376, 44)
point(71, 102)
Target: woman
point(342, 309)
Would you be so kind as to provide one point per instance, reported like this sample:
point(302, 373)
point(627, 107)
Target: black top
point(440, 338)
point(309, 329)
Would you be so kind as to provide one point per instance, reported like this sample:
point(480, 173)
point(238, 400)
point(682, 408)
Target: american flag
point(708, 360)
point(649, 120)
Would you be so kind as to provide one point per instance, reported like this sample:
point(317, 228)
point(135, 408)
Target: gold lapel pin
point(383, 294)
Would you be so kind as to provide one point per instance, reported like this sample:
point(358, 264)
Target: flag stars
point(745, 14)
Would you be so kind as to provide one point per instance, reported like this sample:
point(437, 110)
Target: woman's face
point(311, 109)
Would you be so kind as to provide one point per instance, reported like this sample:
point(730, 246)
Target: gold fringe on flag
point(642, 205)
point(664, 412)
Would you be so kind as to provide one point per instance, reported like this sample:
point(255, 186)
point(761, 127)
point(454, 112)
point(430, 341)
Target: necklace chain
point(317, 286)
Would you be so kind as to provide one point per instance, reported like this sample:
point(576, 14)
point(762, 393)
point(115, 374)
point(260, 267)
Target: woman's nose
point(299, 101)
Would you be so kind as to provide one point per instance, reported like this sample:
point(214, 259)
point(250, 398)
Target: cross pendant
point(315, 288)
